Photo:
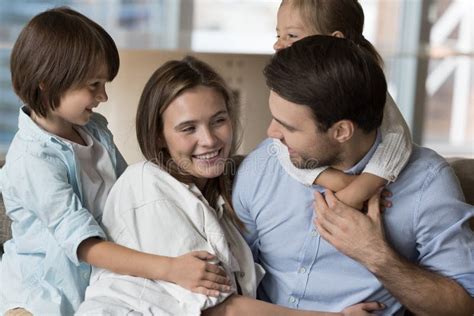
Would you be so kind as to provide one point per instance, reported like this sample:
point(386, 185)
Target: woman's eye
point(219, 121)
point(189, 129)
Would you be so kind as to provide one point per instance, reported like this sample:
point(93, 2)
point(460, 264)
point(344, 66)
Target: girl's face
point(290, 27)
point(198, 133)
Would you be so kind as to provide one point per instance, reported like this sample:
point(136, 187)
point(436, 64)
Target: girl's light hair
point(327, 16)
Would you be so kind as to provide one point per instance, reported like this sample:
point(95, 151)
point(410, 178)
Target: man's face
point(294, 126)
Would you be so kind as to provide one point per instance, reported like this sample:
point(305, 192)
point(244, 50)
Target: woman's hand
point(194, 272)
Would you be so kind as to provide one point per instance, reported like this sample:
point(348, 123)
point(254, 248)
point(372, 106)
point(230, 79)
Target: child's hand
point(362, 309)
point(193, 272)
point(384, 199)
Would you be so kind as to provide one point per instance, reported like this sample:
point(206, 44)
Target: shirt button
point(392, 178)
point(302, 270)
point(314, 233)
point(292, 299)
point(85, 275)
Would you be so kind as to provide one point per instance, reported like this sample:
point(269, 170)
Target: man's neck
point(355, 149)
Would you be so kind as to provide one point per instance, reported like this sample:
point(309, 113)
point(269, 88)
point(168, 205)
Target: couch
point(464, 169)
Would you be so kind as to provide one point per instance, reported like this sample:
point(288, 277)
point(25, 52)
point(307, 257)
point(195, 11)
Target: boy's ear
point(342, 131)
point(338, 34)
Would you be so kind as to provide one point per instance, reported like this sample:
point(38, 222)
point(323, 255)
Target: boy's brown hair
point(57, 50)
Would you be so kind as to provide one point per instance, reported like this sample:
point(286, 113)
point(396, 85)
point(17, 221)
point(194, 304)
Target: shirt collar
point(28, 127)
point(358, 167)
point(220, 200)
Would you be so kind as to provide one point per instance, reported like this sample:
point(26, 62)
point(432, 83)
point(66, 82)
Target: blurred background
point(427, 45)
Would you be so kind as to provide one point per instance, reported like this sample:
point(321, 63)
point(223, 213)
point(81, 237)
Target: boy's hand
point(194, 272)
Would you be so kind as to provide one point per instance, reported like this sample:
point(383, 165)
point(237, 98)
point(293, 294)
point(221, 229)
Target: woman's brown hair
point(167, 83)
point(328, 16)
point(57, 50)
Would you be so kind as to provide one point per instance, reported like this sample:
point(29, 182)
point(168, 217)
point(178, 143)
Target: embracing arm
point(237, 305)
point(361, 237)
point(421, 291)
point(351, 189)
point(191, 271)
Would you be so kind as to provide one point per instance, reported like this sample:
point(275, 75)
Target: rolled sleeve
point(43, 188)
point(394, 151)
point(444, 238)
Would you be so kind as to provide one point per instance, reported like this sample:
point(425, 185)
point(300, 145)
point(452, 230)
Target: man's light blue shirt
point(427, 224)
point(40, 270)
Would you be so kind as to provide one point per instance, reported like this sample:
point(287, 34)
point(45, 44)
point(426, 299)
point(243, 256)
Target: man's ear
point(338, 34)
point(342, 131)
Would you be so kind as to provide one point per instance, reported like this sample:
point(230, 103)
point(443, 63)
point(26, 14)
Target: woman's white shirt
point(150, 211)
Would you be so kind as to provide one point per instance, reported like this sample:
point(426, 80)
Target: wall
point(242, 72)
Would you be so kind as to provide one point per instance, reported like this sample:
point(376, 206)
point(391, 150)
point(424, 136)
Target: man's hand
point(357, 235)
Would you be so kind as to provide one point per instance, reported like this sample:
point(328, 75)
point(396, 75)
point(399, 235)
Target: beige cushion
point(5, 228)
point(464, 169)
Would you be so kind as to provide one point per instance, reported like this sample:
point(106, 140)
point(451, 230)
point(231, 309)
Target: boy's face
point(295, 127)
point(76, 104)
point(290, 27)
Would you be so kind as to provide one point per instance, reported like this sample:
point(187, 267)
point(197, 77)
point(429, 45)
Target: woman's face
point(290, 27)
point(198, 133)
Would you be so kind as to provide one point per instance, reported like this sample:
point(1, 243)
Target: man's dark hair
point(334, 77)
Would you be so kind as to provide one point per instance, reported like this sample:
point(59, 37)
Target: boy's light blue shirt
point(40, 270)
point(427, 224)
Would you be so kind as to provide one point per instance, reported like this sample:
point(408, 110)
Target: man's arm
point(237, 305)
point(361, 237)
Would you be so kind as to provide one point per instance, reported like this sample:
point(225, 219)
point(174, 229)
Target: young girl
point(178, 200)
point(344, 18)
point(59, 170)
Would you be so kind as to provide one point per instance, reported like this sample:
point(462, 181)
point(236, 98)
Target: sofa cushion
point(464, 169)
point(5, 228)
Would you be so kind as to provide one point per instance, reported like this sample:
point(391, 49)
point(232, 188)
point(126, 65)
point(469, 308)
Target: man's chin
point(305, 164)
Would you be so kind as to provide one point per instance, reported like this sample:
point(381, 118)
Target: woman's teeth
point(208, 155)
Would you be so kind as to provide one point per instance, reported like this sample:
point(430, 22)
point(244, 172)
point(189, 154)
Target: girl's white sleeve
point(393, 152)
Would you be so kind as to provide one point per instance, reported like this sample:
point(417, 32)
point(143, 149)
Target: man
point(327, 98)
